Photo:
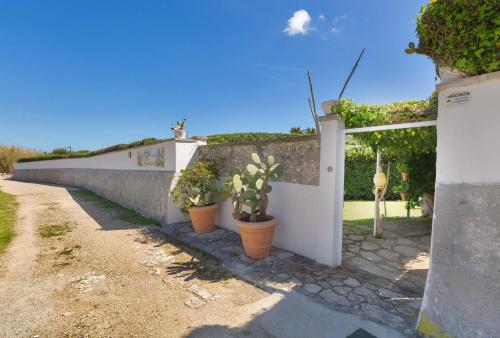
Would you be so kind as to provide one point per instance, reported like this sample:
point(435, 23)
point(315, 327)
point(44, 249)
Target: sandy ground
point(109, 278)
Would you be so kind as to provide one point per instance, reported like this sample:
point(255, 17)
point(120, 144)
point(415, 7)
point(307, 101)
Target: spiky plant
point(250, 188)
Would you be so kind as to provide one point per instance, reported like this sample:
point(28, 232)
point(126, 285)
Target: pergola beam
point(392, 127)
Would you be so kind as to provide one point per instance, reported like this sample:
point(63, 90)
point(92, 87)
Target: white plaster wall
point(306, 213)
point(295, 208)
point(469, 134)
point(177, 155)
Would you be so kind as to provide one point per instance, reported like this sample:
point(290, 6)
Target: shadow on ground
point(111, 216)
point(302, 286)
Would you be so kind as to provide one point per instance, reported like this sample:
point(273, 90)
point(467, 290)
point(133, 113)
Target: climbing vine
point(413, 149)
point(402, 144)
point(460, 34)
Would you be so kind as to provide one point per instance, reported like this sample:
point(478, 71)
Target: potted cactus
point(249, 191)
point(196, 193)
point(179, 129)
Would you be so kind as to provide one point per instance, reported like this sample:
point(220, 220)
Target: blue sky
point(92, 73)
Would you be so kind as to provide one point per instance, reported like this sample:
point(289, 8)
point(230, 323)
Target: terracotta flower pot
point(404, 196)
point(447, 74)
point(203, 218)
point(180, 134)
point(257, 237)
point(404, 175)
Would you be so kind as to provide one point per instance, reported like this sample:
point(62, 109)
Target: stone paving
point(402, 255)
point(344, 289)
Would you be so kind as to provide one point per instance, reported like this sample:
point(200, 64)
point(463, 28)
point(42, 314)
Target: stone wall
point(146, 192)
point(300, 156)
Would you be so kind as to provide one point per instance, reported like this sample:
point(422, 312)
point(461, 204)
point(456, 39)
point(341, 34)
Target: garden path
point(348, 290)
point(402, 255)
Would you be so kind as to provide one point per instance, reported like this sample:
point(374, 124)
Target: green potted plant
point(196, 193)
point(249, 191)
point(179, 129)
point(402, 189)
point(461, 37)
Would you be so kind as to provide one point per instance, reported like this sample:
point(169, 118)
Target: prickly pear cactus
point(250, 188)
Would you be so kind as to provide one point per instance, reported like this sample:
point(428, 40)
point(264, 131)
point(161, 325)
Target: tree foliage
point(460, 34)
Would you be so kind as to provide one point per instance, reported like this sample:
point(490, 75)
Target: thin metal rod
point(392, 126)
point(350, 74)
point(313, 108)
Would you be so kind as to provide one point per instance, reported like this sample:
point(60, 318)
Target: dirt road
point(77, 269)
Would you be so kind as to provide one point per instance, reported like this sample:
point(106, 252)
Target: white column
point(331, 184)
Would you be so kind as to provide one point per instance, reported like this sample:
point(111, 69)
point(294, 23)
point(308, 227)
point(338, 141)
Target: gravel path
point(106, 277)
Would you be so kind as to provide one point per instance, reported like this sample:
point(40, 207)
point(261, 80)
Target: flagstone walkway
point(402, 255)
point(344, 289)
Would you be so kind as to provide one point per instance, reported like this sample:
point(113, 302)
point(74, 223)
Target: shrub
point(245, 137)
point(196, 186)
point(62, 153)
point(404, 187)
point(460, 34)
point(297, 131)
point(360, 168)
point(359, 171)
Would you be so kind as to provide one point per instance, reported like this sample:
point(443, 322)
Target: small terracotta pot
point(404, 175)
point(404, 196)
point(180, 134)
point(257, 237)
point(203, 218)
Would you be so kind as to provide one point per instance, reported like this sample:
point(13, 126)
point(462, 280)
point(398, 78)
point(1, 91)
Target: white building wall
point(469, 133)
point(462, 294)
point(177, 155)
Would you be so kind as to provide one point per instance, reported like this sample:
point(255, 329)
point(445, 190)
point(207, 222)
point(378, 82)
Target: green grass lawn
point(8, 207)
point(361, 212)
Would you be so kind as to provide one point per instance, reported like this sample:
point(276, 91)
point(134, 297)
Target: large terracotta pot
point(203, 218)
point(257, 237)
point(404, 196)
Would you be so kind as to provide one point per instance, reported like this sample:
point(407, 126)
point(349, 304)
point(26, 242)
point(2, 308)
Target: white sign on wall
point(458, 98)
point(151, 157)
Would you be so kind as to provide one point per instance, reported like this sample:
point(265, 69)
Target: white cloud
point(338, 18)
point(299, 23)
point(321, 17)
point(335, 30)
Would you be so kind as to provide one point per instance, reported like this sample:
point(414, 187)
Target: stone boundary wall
point(300, 156)
point(146, 192)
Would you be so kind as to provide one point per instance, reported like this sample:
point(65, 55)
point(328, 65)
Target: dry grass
point(10, 154)
point(55, 230)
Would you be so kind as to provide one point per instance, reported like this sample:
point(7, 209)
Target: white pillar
point(331, 185)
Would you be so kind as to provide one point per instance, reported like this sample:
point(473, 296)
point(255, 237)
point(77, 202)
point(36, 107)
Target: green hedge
point(246, 137)
point(359, 171)
point(360, 168)
point(58, 153)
